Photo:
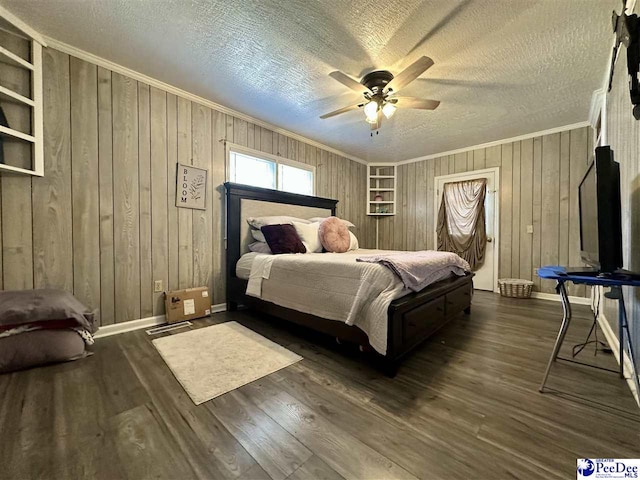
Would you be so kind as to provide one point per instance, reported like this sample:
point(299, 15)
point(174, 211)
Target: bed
point(410, 319)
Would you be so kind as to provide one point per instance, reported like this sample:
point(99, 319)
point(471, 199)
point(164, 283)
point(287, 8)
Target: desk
point(560, 275)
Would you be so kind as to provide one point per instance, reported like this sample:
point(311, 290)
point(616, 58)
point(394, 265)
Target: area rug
point(214, 360)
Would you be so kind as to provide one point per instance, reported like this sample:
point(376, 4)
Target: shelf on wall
point(10, 134)
point(13, 97)
point(33, 113)
point(14, 60)
point(17, 170)
point(381, 184)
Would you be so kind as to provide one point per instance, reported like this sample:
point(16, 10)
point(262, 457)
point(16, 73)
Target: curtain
point(461, 220)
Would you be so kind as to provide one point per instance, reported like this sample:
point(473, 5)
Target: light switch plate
point(157, 286)
point(529, 228)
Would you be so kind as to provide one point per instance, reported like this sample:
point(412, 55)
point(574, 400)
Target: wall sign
point(191, 187)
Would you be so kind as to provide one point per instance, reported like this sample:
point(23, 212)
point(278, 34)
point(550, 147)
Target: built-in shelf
point(30, 110)
point(381, 189)
point(17, 170)
point(10, 134)
point(7, 95)
point(14, 60)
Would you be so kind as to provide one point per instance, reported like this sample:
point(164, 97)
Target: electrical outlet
point(529, 228)
point(157, 286)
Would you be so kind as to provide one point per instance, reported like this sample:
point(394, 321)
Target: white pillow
point(259, 222)
point(260, 247)
point(346, 222)
point(258, 236)
point(308, 233)
point(354, 242)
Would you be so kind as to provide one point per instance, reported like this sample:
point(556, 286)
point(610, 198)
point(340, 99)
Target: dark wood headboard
point(236, 193)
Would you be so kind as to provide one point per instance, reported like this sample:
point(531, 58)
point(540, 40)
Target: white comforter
point(332, 286)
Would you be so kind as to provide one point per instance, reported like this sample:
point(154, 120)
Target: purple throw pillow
point(283, 239)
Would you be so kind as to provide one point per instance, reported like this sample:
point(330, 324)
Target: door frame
point(496, 208)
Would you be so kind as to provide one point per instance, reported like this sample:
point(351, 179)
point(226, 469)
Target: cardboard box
point(182, 305)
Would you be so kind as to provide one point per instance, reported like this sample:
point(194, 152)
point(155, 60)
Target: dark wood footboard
point(411, 319)
point(415, 317)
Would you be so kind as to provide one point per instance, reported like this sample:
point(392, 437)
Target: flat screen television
point(600, 214)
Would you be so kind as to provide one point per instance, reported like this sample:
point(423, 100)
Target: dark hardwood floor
point(465, 405)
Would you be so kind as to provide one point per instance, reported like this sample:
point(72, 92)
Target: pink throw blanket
point(418, 270)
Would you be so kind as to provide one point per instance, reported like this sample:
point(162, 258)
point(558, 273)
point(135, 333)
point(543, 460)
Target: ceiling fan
point(380, 88)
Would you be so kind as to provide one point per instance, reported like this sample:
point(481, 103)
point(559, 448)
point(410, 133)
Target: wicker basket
point(515, 287)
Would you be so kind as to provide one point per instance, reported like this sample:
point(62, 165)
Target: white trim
point(526, 136)
point(17, 61)
point(37, 121)
point(597, 106)
point(132, 325)
point(102, 62)
point(219, 308)
point(23, 27)
point(141, 77)
point(15, 133)
point(610, 335)
point(373, 167)
point(277, 159)
point(496, 212)
point(124, 327)
point(556, 298)
point(17, 170)
point(16, 96)
point(612, 340)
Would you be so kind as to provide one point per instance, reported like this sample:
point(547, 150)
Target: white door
point(487, 275)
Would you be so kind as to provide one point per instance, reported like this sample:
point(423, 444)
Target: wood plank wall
point(623, 134)
point(102, 223)
point(539, 180)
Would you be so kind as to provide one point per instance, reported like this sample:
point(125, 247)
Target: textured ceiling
point(502, 67)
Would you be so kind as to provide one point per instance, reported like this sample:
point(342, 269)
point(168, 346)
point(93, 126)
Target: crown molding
point(526, 136)
point(141, 77)
point(598, 108)
point(102, 62)
point(22, 26)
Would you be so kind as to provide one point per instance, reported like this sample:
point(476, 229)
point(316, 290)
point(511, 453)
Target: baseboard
point(612, 340)
point(132, 325)
point(221, 307)
point(556, 298)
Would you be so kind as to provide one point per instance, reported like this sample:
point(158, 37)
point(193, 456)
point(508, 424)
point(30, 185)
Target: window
point(269, 171)
point(252, 171)
point(295, 180)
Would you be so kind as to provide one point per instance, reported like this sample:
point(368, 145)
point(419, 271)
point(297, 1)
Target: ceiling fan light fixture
point(371, 111)
point(372, 120)
point(389, 109)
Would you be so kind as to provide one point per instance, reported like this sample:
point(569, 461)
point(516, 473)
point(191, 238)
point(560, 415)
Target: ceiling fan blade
point(419, 103)
point(347, 81)
point(410, 73)
point(341, 110)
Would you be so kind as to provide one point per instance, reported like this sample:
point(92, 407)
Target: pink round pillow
point(334, 235)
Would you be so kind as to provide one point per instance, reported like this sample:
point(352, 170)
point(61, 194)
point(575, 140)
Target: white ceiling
point(503, 68)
